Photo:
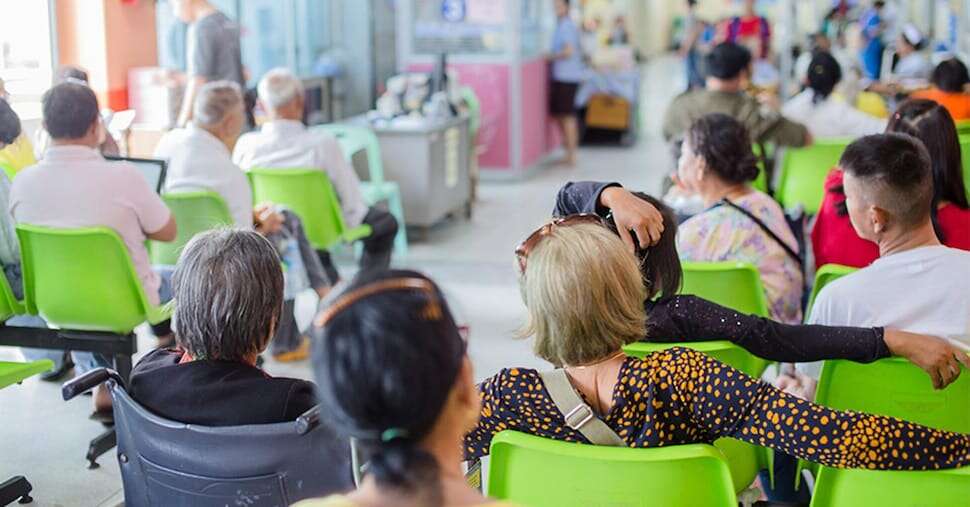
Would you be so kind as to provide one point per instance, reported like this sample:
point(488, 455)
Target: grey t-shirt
point(213, 49)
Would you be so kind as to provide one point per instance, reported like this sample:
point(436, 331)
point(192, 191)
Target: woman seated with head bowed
point(394, 374)
point(835, 241)
point(649, 227)
point(740, 224)
point(228, 289)
point(677, 396)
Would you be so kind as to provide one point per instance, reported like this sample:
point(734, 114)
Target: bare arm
point(192, 86)
point(167, 232)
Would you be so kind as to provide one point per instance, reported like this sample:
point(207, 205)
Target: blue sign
point(453, 11)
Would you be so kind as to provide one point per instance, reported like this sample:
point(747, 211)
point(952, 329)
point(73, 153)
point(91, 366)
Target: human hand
point(633, 214)
point(939, 358)
point(267, 219)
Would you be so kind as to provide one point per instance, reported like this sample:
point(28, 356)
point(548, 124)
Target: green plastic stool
point(194, 212)
point(823, 277)
point(803, 173)
point(376, 189)
point(871, 488)
point(83, 279)
point(735, 285)
point(534, 471)
point(309, 194)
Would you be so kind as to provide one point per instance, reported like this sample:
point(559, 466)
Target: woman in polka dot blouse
point(585, 301)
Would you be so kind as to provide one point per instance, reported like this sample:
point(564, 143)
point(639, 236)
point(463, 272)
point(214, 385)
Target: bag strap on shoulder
point(788, 249)
point(579, 416)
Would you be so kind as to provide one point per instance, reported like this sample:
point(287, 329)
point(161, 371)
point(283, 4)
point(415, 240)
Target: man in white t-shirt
point(285, 142)
point(917, 284)
point(74, 186)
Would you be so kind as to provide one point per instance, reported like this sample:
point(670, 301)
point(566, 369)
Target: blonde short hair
point(584, 293)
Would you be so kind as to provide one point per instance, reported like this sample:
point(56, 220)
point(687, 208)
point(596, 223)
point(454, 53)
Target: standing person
point(567, 72)
point(750, 30)
point(213, 49)
point(873, 26)
point(693, 28)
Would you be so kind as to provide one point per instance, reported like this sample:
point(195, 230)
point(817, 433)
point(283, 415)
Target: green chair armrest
point(14, 372)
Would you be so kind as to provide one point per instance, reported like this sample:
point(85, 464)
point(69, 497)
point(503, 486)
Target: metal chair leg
point(100, 445)
point(15, 488)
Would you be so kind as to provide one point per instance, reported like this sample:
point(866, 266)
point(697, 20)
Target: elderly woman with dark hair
point(228, 289)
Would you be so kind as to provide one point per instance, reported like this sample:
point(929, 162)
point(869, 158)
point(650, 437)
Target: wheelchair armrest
point(308, 421)
point(88, 381)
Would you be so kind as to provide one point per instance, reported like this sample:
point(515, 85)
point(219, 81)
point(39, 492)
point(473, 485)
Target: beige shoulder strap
point(579, 416)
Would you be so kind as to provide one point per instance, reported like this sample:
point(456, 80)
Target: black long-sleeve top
point(687, 318)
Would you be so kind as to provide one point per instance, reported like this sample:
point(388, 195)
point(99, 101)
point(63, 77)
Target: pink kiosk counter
point(496, 47)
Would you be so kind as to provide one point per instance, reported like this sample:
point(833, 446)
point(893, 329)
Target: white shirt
point(288, 144)
point(197, 160)
point(830, 118)
point(914, 66)
point(925, 290)
point(75, 187)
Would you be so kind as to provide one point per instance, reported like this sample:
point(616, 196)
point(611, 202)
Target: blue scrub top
point(567, 70)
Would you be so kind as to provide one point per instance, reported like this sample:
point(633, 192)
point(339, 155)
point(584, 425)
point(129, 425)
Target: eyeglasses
point(432, 311)
point(526, 247)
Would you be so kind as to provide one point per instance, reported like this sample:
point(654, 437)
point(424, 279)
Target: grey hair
point(279, 87)
point(228, 288)
point(214, 101)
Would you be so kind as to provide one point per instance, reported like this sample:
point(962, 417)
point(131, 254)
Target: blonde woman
point(585, 298)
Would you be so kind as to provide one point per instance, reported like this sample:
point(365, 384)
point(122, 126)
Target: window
point(26, 62)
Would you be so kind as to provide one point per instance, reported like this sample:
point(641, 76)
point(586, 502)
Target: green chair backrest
point(474, 110)
point(761, 182)
point(963, 127)
point(9, 306)
point(965, 153)
point(895, 387)
point(823, 276)
point(309, 194)
point(534, 471)
point(871, 488)
point(736, 285)
point(353, 138)
point(803, 173)
point(194, 212)
point(81, 279)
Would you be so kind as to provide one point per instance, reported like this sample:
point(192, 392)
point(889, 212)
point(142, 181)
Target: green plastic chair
point(83, 279)
point(9, 306)
point(963, 127)
point(761, 182)
point(535, 471)
point(14, 373)
point(803, 173)
point(9, 171)
point(823, 277)
point(870, 488)
point(353, 139)
point(736, 285)
point(309, 194)
point(194, 212)
point(745, 460)
point(965, 152)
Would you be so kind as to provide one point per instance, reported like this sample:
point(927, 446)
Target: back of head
point(70, 110)
point(824, 73)
point(727, 61)
point(279, 87)
point(724, 144)
point(9, 124)
point(386, 359)
point(215, 101)
point(584, 292)
point(894, 172)
point(228, 293)
point(951, 76)
point(70, 72)
point(932, 124)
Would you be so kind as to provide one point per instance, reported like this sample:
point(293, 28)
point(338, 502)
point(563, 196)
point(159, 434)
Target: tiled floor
point(45, 438)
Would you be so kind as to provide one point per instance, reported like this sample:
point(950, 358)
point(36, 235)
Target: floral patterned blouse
point(725, 234)
point(681, 396)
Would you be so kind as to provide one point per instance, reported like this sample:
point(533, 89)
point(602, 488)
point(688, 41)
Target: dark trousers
point(377, 246)
point(287, 337)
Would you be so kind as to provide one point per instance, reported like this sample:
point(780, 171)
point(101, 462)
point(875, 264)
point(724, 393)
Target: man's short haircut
point(9, 124)
point(895, 171)
point(727, 60)
point(70, 110)
point(951, 76)
point(279, 87)
point(216, 100)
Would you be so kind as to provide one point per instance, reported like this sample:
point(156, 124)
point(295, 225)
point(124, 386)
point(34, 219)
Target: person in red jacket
point(834, 240)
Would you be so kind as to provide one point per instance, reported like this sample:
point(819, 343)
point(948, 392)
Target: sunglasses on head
point(526, 247)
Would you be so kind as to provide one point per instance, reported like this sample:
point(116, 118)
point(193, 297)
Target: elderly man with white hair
point(285, 142)
point(199, 158)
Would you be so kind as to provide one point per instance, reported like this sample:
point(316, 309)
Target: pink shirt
point(74, 187)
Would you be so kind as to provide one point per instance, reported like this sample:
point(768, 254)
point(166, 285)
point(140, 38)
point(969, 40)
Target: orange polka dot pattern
point(681, 396)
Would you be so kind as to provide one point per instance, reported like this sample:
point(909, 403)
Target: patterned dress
point(725, 234)
point(681, 396)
